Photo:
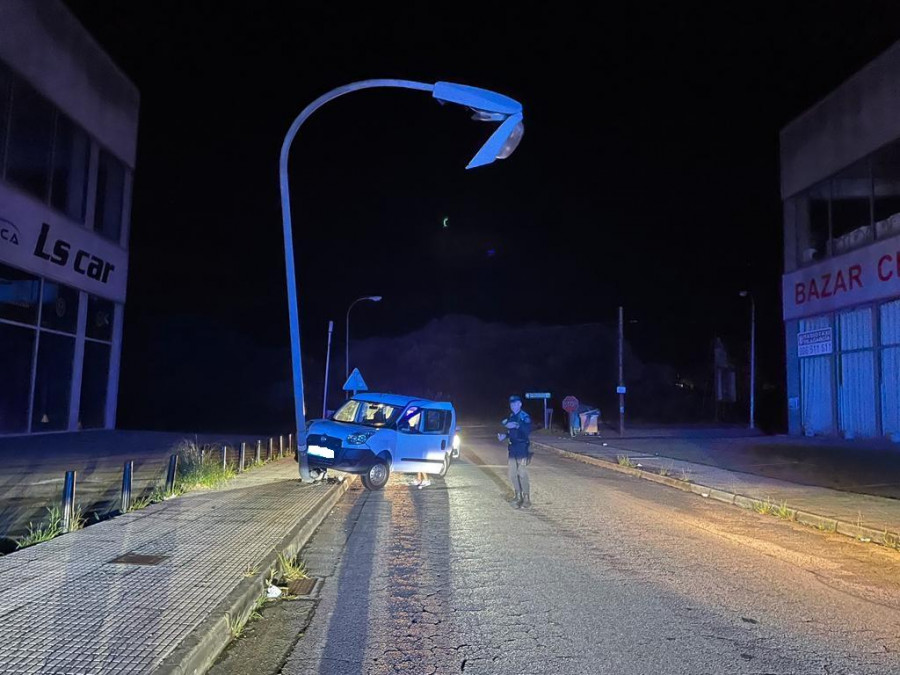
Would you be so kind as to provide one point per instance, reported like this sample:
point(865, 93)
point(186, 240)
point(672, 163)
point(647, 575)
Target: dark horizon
point(647, 177)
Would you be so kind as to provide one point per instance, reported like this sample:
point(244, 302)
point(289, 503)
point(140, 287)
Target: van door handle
point(444, 444)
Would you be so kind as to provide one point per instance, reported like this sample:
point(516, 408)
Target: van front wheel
point(377, 476)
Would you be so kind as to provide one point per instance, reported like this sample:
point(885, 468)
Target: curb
point(826, 523)
point(199, 650)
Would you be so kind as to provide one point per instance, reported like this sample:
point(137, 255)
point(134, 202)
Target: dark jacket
point(519, 441)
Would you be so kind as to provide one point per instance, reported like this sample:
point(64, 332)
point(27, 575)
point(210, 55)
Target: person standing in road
point(518, 428)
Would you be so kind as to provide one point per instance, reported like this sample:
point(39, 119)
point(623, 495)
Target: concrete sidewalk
point(857, 515)
point(66, 606)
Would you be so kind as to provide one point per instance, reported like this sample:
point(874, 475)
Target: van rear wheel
point(377, 476)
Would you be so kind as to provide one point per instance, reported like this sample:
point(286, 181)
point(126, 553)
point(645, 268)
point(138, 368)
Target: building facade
point(68, 139)
point(840, 184)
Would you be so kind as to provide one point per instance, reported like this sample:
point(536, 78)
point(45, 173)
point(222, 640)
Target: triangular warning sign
point(355, 382)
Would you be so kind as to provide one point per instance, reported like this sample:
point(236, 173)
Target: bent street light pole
point(372, 298)
point(487, 106)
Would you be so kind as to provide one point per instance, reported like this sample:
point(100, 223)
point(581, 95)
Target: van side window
point(437, 421)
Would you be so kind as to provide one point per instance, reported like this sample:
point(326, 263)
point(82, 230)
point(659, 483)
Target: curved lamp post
point(486, 105)
point(372, 298)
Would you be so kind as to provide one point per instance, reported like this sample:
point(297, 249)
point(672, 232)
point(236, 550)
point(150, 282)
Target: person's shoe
point(424, 483)
point(516, 500)
point(526, 502)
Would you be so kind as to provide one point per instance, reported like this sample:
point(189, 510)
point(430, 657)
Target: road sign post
point(543, 396)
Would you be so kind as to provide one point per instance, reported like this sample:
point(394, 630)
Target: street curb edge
point(818, 521)
point(198, 651)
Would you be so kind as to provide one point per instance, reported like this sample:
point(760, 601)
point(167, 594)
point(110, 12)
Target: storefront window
point(94, 379)
point(851, 208)
point(856, 374)
point(813, 223)
point(53, 383)
point(4, 112)
point(71, 153)
point(18, 295)
point(815, 383)
point(16, 355)
point(59, 309)
point(110, 197)
point(890, 369)
point(100, 318)
point(30, 141)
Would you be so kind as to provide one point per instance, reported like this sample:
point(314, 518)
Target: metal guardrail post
point(224, 457)
point(68, 501)
point(258, 452)
point(242, 457)
point(170, 474)
point(269, 451)
point(127, 474)
point(280, 447)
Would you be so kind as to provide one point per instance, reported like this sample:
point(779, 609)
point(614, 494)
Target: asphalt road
point(606, 574)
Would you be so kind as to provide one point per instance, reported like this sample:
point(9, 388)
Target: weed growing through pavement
point(664, 471)
point(200, 468)
point(625, 460)
point(292, 569)
point(51, 528)
point(765, 508)
point(784, 512)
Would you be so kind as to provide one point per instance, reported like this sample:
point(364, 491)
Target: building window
point(94, 382)
point(100, 318)
point(5, 87)
point(886, 180)
point(851, 208)
point(30, 141)
point(856, 374)
point(71, 154)
point(59, 310)
point(110, 197)
point(813, 222)
point(16, 356)
point(53, 382)
point(19, 292)
point(890, 369)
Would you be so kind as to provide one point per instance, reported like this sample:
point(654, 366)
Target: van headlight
point(456, 441)
point(360, 438)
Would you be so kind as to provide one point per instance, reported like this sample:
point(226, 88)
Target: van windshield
point(367, 413)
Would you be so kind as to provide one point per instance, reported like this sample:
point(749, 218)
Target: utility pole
point(621, 388)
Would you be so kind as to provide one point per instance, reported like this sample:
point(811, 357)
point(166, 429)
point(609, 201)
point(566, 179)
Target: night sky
point(648, 175)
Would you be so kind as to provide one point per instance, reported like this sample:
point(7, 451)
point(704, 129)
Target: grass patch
point(625, 460)
point(200, 467)
point(51, 528)
point(765, 508)
point(142, 502)
point(684, 476)
point(784, 512)
point(239, 623)
point(291, 569)
point(664, 471)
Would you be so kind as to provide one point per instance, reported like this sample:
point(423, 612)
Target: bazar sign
point(866, 275)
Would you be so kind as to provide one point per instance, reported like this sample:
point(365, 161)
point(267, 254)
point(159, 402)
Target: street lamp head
point(487, 106)
point(744, 294)
point(374, 298)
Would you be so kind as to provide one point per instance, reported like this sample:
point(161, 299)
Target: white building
point(840, 181)
point(68, 137)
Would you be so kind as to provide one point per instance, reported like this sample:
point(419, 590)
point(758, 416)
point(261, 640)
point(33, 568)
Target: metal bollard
point(68, 501)
point(242, 457)
point(127, 474)
point(170, 474)
point(224, 457)
point(258, 452)
point(280, 447)
point(290, 443)
point(269, 450)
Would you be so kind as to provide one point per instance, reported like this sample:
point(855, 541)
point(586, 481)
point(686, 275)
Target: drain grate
point(302, 587)
point(138, 559)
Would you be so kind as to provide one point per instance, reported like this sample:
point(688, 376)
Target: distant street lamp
point(748, 294)
point(372, 298)
point(486, 105)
